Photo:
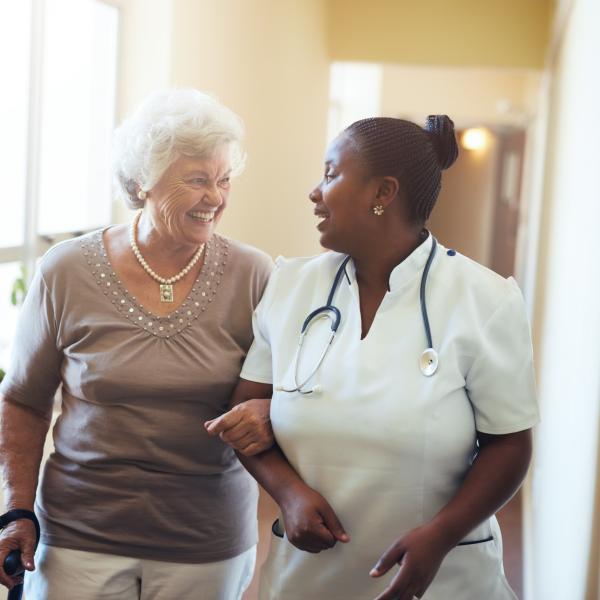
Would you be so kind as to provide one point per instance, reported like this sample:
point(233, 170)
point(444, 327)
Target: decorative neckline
point(198, 301)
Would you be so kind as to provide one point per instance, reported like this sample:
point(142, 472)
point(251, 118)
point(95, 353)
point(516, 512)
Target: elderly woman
point(145, 326)
point(401, 435)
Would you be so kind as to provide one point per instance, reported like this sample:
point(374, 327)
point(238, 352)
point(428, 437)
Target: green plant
point(17, 295)
point(19, 288)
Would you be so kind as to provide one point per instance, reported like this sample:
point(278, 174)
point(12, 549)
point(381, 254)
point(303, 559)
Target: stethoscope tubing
point(422, 297)
point(429, 358)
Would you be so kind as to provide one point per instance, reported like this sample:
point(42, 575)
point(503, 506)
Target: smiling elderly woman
point(146, 327)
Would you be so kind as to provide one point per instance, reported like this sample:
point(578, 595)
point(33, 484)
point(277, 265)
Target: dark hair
point(415, 156)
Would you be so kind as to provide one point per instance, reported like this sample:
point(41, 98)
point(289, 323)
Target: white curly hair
point(167, 125)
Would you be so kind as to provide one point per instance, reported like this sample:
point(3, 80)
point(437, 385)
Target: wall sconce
point(474, 139)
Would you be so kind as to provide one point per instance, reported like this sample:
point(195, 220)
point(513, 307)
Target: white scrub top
point(386, 446)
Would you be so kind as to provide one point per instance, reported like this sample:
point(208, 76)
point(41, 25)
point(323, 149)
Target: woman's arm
point(246, 427)
point(310, 522)
point(22, 435)
point(495, 476)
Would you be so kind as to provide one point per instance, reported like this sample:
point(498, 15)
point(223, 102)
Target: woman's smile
point(201, 217)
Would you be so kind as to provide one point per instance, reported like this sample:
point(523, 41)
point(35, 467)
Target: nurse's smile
point(322, 217)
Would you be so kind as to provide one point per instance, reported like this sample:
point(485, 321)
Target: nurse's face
point(344, 198)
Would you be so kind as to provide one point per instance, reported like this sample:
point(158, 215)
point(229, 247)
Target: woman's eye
point(198, 181)
point(224, 182)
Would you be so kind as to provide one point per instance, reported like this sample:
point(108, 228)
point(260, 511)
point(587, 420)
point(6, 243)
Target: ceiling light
point(474, 139)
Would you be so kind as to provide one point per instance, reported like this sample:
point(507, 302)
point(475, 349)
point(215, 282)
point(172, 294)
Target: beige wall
point(463, 215)
point(471, 96)
point(144, 58)
point(267, 61)
point(510, 33)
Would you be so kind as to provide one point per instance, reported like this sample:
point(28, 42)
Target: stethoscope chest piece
point(429, 362)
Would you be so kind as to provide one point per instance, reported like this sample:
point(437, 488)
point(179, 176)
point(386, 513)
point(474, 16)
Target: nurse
point(389, 466)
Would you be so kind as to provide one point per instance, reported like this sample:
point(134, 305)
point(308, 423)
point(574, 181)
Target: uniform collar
point(412, 265)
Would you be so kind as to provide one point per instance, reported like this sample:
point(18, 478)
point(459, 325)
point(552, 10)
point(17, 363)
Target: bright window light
point(15, 23)
point(354, 93)
point(78, 114)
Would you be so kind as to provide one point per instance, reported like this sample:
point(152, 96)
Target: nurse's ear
point(388, 188)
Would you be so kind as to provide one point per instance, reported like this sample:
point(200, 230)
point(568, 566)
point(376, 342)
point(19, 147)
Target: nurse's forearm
point(22, 436)
point(274, 473)
point(493, 479)
point(270, 468)
point(310, 522)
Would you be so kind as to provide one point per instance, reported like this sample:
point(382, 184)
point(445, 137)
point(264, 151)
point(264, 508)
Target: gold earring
point(142, 195)
point(378, 210)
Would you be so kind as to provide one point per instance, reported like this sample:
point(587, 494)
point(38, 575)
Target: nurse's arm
point(495, 476)
point(492, 480)
point(310, 522)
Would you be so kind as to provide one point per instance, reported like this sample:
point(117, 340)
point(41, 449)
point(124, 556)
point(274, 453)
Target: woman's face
point(344, 198)
point(189, 199)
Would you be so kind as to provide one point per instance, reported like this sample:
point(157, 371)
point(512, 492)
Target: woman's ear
point(387, 190)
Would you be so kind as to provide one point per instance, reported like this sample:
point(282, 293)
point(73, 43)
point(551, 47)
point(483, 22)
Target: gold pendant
point(166, 292)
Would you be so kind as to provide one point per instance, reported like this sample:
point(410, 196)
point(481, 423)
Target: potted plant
point(17, 295)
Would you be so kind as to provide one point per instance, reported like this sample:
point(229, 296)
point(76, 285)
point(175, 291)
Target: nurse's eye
point(328, 177)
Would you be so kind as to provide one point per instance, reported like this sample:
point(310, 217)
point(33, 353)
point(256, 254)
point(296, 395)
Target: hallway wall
point(268, 62)
point(511, 33)
point(567, 324)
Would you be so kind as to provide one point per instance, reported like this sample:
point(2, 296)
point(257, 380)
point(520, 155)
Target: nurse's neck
point(376, 259)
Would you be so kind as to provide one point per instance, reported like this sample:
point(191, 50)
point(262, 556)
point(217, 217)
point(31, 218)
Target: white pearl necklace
point(166, 287)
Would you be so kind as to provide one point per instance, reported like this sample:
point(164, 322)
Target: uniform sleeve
point(258, 365)
point(34, 372)
point(501, 381)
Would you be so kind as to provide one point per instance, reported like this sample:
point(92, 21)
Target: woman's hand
point(246, 427)
point(310, 522)
point(18, 535)
point(419, 553)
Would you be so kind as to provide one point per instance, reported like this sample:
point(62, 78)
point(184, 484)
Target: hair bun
point(441, 129)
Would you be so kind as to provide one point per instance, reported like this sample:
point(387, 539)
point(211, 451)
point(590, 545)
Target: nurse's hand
point(246, 427)
point(419, 553)
point(310, 522)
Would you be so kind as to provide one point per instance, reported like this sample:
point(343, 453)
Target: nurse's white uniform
point(386, 446)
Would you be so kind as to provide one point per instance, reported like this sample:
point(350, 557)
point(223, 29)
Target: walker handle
point(13, 566)
point(12, 563)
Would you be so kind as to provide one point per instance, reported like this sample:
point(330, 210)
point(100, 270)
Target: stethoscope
point(428, 361)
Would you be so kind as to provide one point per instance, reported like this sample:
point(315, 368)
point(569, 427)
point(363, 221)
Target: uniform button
point(451, 252)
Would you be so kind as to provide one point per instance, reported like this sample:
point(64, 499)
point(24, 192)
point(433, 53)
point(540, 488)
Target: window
point(58, 59)
point(354, 93)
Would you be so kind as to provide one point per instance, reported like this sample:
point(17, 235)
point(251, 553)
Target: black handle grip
point(13, 566)
point(12, 563)
point(16, 593)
